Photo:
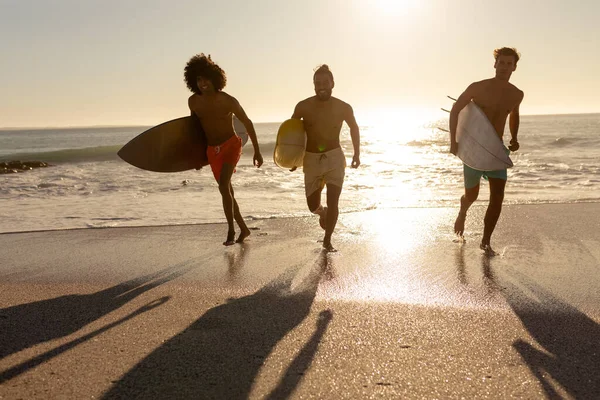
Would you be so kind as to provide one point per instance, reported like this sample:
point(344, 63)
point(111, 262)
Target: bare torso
point(216, 116)
point(323, 122)
point(497, 99)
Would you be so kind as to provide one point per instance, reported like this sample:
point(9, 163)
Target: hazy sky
point(120, 62)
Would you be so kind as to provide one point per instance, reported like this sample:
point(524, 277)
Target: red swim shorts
point(228, 152)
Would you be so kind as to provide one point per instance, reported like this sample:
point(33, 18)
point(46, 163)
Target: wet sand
point(400, 311)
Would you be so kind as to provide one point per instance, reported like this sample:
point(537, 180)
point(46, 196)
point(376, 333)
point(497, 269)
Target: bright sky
point(120, 62)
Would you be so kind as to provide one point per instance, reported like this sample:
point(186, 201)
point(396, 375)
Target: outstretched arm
point(354, 134)
point(463, 100)
point(513, 123)
point(239, 112)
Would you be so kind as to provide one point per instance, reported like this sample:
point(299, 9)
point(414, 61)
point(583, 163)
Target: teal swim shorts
point(473, 176)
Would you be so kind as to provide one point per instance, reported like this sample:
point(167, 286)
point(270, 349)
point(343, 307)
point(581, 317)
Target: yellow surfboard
point(290, 145)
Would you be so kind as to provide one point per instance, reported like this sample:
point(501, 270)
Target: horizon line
point(17, 128)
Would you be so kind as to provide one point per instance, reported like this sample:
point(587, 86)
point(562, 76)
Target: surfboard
point(479, 146)
point(173, 146)
point(240, 130)
point(290, 144)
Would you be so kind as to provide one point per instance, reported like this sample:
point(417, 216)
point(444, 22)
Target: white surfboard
point(479, 146)
point(240, 129)
point(290, 145)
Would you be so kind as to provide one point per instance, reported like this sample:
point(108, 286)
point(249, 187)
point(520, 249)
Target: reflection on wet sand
point(236, 259)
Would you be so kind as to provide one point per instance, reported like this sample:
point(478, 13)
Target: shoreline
point(479, 204)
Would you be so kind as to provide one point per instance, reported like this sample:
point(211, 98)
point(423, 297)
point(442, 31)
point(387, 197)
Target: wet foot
point(328, 247)
point(243, 235)
point(230, 239)
point(323, 218)
point(487, 249)
point(459, 224)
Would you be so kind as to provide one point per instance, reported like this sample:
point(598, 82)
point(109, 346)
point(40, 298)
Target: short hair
point(323, 69)
point(202, 65)
point(507, 51)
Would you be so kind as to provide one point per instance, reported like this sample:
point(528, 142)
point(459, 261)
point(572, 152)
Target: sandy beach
point(401, 311)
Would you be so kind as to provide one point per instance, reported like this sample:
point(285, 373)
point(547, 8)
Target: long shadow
point(301, 363)
point(569, 340)
point(42, 358)
point(220, 355)
point(30, 324)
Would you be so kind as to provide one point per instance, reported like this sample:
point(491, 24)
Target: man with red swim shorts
point(215, 110)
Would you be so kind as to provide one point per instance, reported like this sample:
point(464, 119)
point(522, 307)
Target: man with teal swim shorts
point(498, 99)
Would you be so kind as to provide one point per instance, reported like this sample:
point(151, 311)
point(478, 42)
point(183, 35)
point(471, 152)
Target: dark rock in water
point(11, 167)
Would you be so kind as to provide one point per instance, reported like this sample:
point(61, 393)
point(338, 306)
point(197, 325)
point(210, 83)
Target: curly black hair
point(202, 65)
point(507, 51)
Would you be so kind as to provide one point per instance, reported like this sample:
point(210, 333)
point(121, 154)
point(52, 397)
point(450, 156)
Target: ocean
point(403, 165)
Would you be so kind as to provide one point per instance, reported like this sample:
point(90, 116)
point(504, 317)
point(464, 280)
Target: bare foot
point(229, 241)
point(323, 218)
point(487, 249)
point(328, 247)
point(459, 224)
point(243, 235)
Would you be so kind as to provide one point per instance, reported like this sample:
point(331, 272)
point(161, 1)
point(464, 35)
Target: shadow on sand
point(567, 342)
point(30, 324)
point(566, 347)
point(220, 355)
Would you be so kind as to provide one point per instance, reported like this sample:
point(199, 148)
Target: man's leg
point(313, 200)
point(333, 198)
point(244, 231)
point(227, 197)
point(493, 211)
point(466, 200)
point(471, 178)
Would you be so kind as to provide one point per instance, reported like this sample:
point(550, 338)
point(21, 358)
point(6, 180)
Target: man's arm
point(298, 111)
point(354, 134)
point(513, 123)
point(298, 114)
point(463, 100)
point(191, 103)
point(239, 112)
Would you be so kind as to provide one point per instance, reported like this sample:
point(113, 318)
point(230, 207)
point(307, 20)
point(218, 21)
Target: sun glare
point(390, 122)
point(394, 7)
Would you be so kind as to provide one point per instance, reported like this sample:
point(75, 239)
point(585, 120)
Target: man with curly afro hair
point(215, 110)
point(498, 99)
point(324, 161)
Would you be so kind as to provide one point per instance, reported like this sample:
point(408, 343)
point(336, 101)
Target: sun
point(394, 7)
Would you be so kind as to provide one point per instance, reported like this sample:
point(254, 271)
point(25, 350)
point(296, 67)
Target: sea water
point(403, 165)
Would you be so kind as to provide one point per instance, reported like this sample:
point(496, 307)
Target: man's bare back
point(323, 122)
point(497, 99)
point(216, 115)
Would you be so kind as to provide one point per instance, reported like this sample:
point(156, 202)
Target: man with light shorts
point(324, 161)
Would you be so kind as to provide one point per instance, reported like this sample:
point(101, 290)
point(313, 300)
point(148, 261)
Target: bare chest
point(217, 109)
point(323, 119)
point(496, 105)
